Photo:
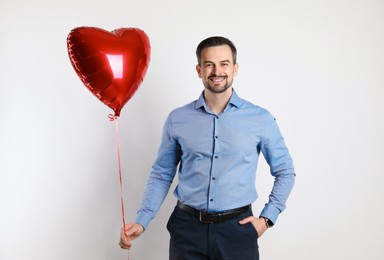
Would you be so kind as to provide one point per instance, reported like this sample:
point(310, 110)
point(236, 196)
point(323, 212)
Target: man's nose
point(216, 70)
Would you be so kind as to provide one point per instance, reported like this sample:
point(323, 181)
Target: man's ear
point(235, 69)
point(198, 69)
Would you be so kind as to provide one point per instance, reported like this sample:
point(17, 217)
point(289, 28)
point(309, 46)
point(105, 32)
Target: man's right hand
point(128, 233)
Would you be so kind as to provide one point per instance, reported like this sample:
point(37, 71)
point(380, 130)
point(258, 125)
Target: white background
point(318, 66)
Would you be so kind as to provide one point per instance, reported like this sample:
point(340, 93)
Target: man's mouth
point(217, 79)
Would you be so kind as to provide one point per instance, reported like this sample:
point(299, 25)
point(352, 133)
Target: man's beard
point(217, 90)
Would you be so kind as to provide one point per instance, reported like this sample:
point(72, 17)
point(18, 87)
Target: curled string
point(112, 117)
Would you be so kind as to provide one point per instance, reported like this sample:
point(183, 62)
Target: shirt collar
point(234, 100)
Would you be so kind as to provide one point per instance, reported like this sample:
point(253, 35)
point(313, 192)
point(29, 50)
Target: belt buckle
point(205, 220)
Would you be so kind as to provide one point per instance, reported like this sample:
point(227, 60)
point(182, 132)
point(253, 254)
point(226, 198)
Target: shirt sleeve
point(281, 167)
point(161, 176)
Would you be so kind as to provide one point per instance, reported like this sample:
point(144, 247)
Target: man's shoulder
point(191, 106)
point(250, 106)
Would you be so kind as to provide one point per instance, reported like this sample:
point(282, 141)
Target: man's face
point(216, 68)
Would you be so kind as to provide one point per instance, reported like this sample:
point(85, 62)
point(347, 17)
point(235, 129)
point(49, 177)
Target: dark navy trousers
point(228, 240)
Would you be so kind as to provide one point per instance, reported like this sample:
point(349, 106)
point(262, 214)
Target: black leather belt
point(206, 217)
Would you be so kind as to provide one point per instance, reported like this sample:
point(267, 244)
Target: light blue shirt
point(216, 157)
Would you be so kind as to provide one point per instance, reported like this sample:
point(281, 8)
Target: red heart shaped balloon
point(111, 65)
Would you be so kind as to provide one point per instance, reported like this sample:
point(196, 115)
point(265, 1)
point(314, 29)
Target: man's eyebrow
point(207, 61)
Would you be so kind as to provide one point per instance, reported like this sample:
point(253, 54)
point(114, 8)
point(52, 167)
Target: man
point(216, 141)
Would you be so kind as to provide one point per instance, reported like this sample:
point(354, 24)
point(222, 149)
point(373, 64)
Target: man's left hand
point(258, 223)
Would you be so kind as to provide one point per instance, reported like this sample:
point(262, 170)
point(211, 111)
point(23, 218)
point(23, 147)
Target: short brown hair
point(215, 41)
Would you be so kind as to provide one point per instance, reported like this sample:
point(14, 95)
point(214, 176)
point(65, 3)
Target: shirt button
point(216, 137)
point(211, 200)
point(216, 156)
point(213, 178)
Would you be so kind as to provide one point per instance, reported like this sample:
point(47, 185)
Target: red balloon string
point(114, 118)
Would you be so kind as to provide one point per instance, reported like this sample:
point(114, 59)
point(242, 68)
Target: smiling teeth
point(217, 79)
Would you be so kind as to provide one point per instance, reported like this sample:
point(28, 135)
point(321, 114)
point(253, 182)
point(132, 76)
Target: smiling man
point(217, 68)
point(216, 141)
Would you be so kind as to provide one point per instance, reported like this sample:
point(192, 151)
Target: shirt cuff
point(143, 219)
point(270, 212)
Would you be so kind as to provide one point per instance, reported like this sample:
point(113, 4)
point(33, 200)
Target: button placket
point(215, 156)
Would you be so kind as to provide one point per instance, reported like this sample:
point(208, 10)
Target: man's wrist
point(268, 222)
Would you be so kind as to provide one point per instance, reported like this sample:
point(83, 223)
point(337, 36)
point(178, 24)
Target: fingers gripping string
point(114, 118)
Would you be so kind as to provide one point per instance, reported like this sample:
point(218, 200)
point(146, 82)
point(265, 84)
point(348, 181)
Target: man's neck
point(217, 102)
